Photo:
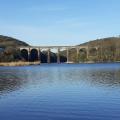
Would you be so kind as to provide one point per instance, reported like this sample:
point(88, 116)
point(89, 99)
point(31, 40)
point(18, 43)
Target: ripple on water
point(60, 92)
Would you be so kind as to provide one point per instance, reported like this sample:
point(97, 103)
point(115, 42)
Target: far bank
point(20, 63)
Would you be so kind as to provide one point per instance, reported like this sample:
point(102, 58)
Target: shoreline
point(21, 63)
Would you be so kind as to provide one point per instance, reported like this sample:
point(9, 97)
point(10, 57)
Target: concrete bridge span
point(38, 50)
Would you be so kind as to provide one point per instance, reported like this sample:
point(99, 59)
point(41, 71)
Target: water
point(60, 92)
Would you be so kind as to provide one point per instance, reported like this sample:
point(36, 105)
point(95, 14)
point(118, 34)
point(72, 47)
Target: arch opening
point(34, 55)
point(93, 52)
point(53, 55)
point(63, 55)
point(24, 54)
point(82, 55)
point(43, 56)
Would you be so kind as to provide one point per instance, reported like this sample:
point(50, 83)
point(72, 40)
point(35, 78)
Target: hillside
point(10, 42)
point(108, 51)
point(110, 41)
point(9, 53)
point(8, 50)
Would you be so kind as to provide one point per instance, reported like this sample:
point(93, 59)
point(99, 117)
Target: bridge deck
point(52, 47)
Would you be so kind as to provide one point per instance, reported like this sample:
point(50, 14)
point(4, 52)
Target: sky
point(59, 22)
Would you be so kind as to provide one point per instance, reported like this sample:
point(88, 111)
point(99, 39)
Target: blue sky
point(59, 22)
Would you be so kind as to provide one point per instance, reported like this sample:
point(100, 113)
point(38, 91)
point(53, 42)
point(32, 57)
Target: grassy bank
point(20, 63)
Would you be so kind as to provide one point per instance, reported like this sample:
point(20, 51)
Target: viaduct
point(38, 49)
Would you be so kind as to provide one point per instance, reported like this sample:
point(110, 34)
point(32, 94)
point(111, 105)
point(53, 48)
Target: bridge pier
point(77, 49)
point(28, 54)
point(39, 57)
point(48, 56)
point(67, 55)
point(87, 50)
point(58, 56)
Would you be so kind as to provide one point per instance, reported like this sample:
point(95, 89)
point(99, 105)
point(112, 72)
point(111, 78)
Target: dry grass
point(20, 63)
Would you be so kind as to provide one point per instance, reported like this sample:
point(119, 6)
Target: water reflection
point(10, 80)
point(18, 77)
point(60, 92)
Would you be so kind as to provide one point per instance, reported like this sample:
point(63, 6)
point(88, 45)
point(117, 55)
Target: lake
point(60, 92)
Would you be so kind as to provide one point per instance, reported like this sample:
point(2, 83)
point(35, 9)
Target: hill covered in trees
point(100, 50)
point(10, 42)
point(8, 51)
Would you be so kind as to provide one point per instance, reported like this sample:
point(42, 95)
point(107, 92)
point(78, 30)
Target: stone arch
point(83, 50)
point(82, 54)
point(93, 51)
point(43, 56)
point(53, 55)
point(63, 55)
point(24, 54)
point(63, 59)
point(34, 55)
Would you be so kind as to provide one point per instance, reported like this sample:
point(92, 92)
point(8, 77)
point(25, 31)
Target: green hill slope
point(108, 51)
point(10, 42)
point(8, 50)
